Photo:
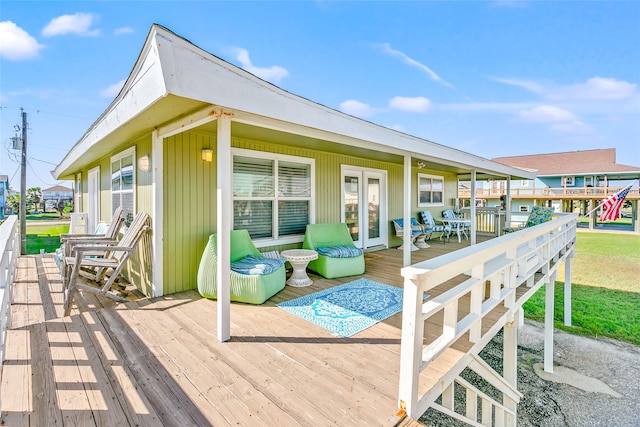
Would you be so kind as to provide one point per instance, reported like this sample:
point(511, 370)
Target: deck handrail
point(495, 269)
point(550, 192)
point(9, 252)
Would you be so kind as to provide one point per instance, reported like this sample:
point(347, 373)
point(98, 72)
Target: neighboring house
point(58, 192)
point(4, 193)
point(567, 181)
point(204, 146)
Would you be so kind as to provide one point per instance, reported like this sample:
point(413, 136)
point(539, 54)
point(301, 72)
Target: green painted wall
point(189, 207)
point(139, 268)
point(190, 197)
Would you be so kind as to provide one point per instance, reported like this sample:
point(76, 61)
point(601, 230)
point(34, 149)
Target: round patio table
point(299, 259)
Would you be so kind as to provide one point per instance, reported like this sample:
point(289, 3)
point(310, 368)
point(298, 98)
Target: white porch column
point(406, 213)
point(157, 238)
point(567, 291)
point(472, 229)
point(224, 205)
point(507, 202)
point(548, 325)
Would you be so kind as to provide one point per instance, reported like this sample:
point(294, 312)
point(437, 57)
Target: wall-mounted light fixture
point(207, 154)
point(421, 164)
point(144, 163)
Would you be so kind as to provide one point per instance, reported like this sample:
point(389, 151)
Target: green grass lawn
point(43, 236)
point(605, 288)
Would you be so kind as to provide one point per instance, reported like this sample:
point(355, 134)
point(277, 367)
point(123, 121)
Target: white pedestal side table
point(299, 259)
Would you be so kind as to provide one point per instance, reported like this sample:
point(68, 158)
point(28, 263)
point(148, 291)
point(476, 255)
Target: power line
point(38, 176)
point(43, 161)
point(62, 115)
point(49, 112)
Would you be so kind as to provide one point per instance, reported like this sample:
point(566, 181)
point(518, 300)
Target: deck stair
point(443, 336)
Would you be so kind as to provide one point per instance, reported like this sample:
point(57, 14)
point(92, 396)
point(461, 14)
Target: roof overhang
point(173, 78)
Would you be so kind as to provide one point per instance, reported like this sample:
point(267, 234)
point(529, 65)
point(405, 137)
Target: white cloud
point(529, 85)
point(386, 48)
point(272, 74)
point(417, 104)
point(559, 119)
point(547, 114)
point(123, 30)
point(356, 108)
point(596, 89)
point(514, 4)
point(113, 90)
point(79, 24)
point(574, 127)
point(16, 44)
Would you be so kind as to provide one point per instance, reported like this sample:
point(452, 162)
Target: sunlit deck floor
point(158, 362)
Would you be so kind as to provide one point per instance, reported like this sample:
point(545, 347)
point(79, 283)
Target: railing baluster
point(511, 260)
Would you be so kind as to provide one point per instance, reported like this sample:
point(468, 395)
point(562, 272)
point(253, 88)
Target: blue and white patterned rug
point(347, 309)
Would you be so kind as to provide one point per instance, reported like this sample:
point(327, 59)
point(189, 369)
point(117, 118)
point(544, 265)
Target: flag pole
point(603, 200)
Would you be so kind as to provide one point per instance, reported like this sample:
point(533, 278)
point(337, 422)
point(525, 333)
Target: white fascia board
point(144, 87)
point(197, 74)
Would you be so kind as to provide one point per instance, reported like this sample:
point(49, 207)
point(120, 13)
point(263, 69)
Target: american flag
point(612, 204)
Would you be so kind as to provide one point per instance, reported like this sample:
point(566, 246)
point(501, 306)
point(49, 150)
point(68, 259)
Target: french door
point(364, 201)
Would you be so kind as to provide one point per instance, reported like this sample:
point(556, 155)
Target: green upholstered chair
point(337, 255)
point(249, 288)
point(538, 215)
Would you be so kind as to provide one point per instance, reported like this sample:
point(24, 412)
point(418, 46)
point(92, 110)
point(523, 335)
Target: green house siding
point(190, 197)
point(139, 268)
point(189, 207)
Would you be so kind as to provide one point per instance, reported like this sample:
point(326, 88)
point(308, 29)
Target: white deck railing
point(489, 221)
point(495, 269)
point(9, 252)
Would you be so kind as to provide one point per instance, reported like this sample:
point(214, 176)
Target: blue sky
point(495, 79)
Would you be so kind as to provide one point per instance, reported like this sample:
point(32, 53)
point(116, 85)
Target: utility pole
point(23, 187)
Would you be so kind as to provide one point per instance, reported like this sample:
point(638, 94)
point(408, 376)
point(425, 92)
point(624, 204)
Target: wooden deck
point(158, 362)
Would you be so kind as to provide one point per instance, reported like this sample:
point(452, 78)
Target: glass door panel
point(351, 186)
point(373, 194)
point(364, 209)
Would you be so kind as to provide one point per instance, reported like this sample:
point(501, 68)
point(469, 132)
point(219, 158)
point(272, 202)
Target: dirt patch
point(554, 404)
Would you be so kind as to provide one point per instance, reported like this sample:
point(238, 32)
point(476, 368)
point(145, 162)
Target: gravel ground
point(605, 374)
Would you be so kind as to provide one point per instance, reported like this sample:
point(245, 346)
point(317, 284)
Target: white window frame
point(263, 155)
point(431, 177)
point(128, 152)
point(78, 195)
point(568, 181)
point(588, 180)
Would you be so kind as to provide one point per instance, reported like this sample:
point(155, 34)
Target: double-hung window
point(430, 190)
point(272, 196)
point(123, 182)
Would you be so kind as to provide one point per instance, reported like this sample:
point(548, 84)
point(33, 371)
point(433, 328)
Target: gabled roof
point(587, 162)
point(58, 189)
point(173, 78)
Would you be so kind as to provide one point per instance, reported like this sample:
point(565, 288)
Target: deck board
point(155, 362)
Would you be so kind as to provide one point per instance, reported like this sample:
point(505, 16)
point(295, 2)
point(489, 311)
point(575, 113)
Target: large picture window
point(272, 195)
point(430, 190)
point(123, 183)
